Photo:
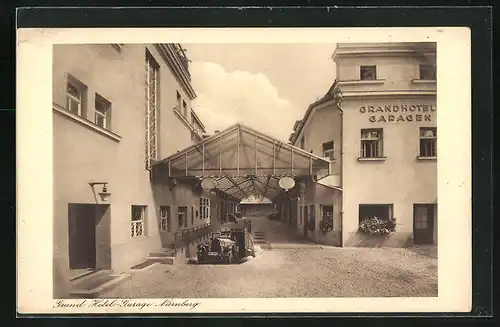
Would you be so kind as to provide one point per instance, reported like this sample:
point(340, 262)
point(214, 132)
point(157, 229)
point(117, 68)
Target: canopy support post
point(220, 156)
point(310, 166)
point(255, 155)
point(238, 152)
point(203, 160)
point(274, 158)
point(169, 169)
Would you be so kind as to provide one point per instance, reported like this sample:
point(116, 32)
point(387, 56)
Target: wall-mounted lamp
point(104, 195)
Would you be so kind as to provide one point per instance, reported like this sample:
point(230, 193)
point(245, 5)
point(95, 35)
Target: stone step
point(148, 264)
point(89, 274)
point(162, 259)
point(95, 285)
point(166, 253)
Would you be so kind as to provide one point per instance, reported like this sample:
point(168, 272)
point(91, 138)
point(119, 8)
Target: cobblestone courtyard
point(295, 270)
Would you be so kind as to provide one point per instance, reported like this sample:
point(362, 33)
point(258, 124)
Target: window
point(327, 211)
point(312, 217)
point(137, 224)
point(184, 108)
point(368, 73)
point(182, 216)
point(381, 211)
point(165, 219)
point(328, 150)
point(427, 72)
point(151, 109)
point(102, 112)
point(205, 208)
point(421, 219)
point(118, 46)
point(371, 143)
point(428, 140)
point(75, 97)
point(302, 143)
point(327, 214)
point(179, 101)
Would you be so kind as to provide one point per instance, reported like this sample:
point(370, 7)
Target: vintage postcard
point(244, 170)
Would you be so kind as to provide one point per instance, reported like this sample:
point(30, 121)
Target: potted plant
point(377, 226)
point(326, 226)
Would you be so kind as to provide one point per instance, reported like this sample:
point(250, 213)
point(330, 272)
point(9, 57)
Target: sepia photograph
point(190, 171)
point(174, 163)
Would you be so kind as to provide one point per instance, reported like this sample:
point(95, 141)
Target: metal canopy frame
point(244, 162)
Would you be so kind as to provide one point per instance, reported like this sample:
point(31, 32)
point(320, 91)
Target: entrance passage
point(243, 163)
point(423, 223)
point(89, 237)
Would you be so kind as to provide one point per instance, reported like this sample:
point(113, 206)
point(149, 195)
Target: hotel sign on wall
point(399, 113)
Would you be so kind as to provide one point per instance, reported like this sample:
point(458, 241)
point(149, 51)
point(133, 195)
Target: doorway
point(88, 238)
point(306, 221)
point(291, 213)
point(423, 223)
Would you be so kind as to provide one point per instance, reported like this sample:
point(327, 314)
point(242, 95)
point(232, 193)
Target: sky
point(263, 86)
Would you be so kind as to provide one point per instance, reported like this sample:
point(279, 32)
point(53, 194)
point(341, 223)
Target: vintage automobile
point(219, 250)
point(230, 246)
point(273, 215)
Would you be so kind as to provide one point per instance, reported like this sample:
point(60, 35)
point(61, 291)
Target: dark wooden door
point(82, 236)
point(423, 224)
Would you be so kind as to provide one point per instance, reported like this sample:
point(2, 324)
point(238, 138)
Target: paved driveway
point(294, 268)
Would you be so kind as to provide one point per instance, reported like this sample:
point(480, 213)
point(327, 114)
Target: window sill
point(362, 82)
point(424, 81)
point(118, 46)
point(86, 123)
point(426, 158)
point(184, 120)
point(372, 159)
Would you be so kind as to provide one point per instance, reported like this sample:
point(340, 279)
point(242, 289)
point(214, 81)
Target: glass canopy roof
point(244, 162)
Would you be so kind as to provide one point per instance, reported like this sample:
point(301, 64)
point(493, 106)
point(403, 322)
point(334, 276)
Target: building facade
point(118, 109)
point(377, 124)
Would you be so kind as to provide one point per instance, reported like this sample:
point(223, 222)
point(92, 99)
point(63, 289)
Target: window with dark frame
point(428, 142)
point(179, 101)
point(327, 214)
point(427, 72)
point(421, 216)
point(102, 115)
point(381, 211)
point(181, 216)
point(371, 143)
point(368, 73)
point(184, 108)
point(312, 217)
point(328, 150)
point(302, 143)
point(75, 97)
point(165, 225)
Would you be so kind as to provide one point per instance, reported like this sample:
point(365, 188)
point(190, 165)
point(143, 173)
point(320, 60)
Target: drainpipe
point(341, 168)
